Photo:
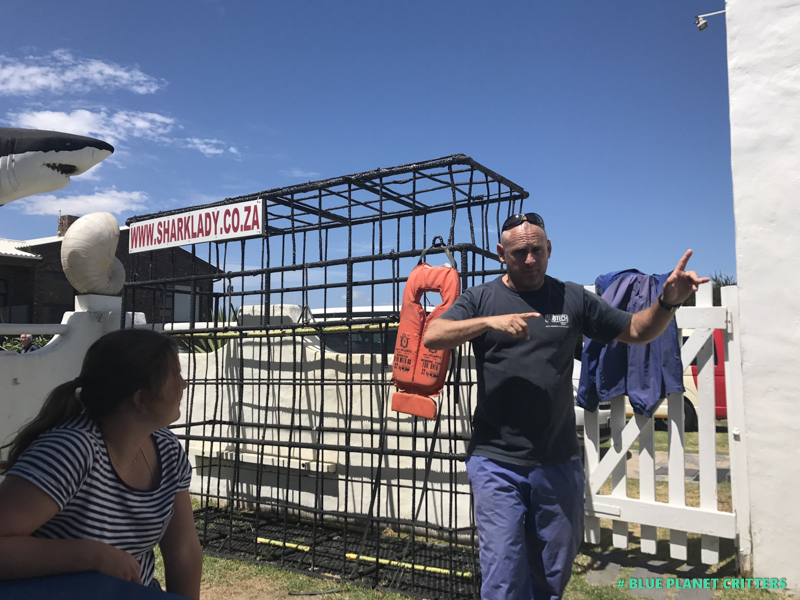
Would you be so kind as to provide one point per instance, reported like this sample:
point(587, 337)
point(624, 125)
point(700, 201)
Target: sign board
point(227, 222)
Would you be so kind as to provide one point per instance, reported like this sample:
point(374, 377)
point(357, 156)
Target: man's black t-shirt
point(525, 411)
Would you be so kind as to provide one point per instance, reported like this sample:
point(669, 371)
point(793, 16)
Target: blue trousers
point(530, 524)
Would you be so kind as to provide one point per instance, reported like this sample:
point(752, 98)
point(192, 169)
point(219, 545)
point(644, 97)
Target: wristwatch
point(666, 306)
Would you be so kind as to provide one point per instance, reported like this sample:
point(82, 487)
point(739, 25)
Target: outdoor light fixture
point(702, 23)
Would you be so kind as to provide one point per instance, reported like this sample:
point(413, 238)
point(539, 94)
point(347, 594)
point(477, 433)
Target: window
point(4, 308)
point(20, 313)
point(58, 297)
point(363, 342)
point(182, 302)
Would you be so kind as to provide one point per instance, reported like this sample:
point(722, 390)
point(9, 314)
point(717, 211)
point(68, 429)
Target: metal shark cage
point(286, 341)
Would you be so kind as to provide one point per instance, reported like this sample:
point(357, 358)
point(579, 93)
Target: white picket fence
point(674, 515)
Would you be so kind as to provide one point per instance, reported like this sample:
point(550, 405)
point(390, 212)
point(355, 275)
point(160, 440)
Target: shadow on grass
point(599, 556)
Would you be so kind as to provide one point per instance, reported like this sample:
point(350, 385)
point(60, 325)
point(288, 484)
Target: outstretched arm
point(648, 324)
point(444, 334)
point(180, 547)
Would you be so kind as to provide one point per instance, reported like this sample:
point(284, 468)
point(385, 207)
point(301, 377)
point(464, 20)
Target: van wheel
point(689, 416)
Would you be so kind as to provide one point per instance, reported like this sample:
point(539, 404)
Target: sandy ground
point(251, 589)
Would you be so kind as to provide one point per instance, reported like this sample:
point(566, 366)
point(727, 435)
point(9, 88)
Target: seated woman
point(95, 481)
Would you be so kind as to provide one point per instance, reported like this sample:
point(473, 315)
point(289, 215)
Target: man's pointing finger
point(530, 315)
point(684, 261)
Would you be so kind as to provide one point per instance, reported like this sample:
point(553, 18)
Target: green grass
point(690, 441)
point(231, 574)
point(724, 497)
point(221, 577)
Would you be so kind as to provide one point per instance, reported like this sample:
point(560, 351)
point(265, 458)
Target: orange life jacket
point(419, 373)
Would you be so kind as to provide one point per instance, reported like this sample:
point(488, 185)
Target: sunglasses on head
point(516, 220)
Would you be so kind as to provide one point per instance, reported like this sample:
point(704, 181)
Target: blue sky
point(613, 115)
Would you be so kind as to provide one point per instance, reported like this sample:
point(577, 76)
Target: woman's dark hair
point(115, 367)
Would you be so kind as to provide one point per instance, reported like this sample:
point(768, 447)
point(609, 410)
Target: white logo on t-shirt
point(556, 320)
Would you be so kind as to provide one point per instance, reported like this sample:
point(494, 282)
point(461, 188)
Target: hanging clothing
point(645, 373)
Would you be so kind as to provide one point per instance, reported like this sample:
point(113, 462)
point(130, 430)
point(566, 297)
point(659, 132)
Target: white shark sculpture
point(34, 161)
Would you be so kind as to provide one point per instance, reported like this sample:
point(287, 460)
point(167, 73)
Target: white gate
point(706, 520)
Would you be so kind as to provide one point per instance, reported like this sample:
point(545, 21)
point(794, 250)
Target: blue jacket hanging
point(644, 373)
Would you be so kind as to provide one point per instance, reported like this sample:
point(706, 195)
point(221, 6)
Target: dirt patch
point(248, 589)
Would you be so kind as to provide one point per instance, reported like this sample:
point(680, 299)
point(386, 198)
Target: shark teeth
point(62, 168)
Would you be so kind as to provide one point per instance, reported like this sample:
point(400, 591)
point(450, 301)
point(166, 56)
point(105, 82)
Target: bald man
point(524, 460)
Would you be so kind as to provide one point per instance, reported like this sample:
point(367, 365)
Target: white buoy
point(88, 255)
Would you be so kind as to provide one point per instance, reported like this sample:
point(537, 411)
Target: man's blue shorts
point(530, 524)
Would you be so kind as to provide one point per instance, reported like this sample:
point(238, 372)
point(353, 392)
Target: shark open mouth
point(62, 168)
point(35, 161)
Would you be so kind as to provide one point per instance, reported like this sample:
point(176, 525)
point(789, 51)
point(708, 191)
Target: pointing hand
point(681, 283)
point(514, 325)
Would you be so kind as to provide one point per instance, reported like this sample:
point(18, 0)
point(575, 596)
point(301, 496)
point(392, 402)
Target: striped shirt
point(70, 463)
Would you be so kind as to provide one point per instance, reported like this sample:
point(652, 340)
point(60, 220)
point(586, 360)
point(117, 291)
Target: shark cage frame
point(287, 340)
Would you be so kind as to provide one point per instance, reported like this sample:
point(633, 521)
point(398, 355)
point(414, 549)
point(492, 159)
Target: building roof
point(40, 241)
point(11, 248)
point(47, 240)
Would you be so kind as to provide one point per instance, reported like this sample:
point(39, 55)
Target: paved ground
point(608, 567)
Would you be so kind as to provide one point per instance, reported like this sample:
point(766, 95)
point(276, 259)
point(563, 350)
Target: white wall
point(764, 81)
point(281, 387)
point(26, 379)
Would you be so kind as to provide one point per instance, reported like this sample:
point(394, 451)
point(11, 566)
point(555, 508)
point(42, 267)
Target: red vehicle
point(721, 407)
